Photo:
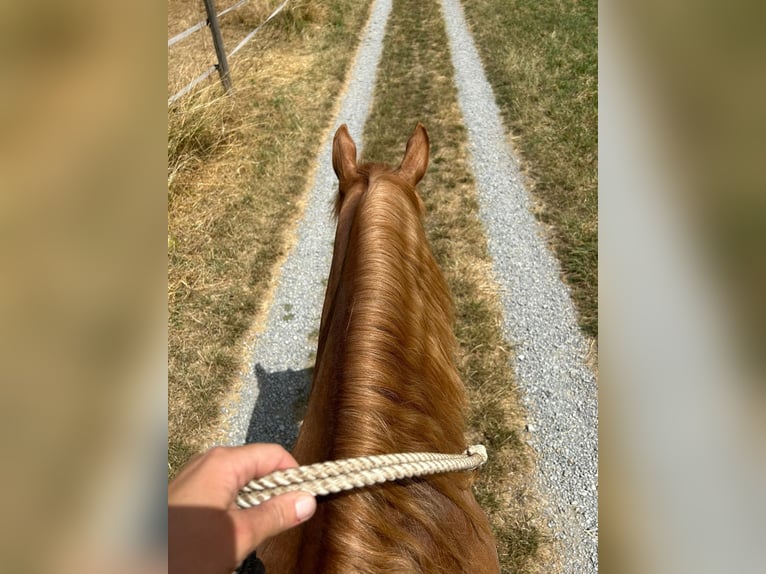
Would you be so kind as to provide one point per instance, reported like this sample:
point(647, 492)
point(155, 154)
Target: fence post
point(215, 30)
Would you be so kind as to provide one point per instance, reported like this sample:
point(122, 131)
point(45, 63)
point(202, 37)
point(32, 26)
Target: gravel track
point(558, 389)
point(278, 376)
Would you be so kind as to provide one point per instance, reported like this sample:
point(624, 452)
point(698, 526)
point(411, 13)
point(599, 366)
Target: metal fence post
point(215, 30)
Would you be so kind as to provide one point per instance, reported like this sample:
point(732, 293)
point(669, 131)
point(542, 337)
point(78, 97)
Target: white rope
point(334, 476)
point(254, 32)
point(186, 89)
point(202, 24)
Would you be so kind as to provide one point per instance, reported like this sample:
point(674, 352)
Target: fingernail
point(304, 507)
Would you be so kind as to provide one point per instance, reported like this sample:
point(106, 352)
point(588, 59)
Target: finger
point(233, 467)
point(217, 475)
point(254, 525)
point(255, 460)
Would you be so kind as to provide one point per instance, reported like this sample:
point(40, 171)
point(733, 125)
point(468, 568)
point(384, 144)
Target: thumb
point(254, 525)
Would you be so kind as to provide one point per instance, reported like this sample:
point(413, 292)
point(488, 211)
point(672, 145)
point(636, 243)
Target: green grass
point(238, 167)
point(415, 83)
point(541, 60)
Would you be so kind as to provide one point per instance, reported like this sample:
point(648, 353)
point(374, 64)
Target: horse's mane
point(385, 381)
point(400, 387)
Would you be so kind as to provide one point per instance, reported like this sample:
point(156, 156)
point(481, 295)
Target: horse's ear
point(344, 155)
point(415, 162)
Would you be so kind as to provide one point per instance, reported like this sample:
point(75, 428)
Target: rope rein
point(334, 476)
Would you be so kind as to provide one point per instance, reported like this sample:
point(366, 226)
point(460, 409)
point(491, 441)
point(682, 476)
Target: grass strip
point(541, 60)
point(415, 83)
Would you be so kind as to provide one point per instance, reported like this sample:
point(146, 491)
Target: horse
point(385, 381)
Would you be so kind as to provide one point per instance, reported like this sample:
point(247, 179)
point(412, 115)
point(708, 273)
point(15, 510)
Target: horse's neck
point(384, 379)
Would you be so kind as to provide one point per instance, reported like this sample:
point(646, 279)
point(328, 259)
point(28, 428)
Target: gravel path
point(559, 390)
point(539, 320)
point(278, 377)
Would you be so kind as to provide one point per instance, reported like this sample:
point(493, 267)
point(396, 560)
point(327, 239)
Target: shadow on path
point(281, 402)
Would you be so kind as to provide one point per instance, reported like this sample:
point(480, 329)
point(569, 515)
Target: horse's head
point(354, 178)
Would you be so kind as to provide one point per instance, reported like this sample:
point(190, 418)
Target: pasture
point(239, 167)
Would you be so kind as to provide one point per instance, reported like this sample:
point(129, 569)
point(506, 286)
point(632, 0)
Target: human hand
point(207, 532)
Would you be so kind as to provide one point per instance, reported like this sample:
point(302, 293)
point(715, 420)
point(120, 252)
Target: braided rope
point(335, 476)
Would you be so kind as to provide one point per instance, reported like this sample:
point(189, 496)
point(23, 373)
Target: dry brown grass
point(190, 56)
point(415, 83)
point(237, 169)
point(194, 54)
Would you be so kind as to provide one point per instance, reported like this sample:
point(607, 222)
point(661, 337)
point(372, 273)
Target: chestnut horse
point(385, 381)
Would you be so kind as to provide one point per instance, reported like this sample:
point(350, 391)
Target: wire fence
point(221, 65)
